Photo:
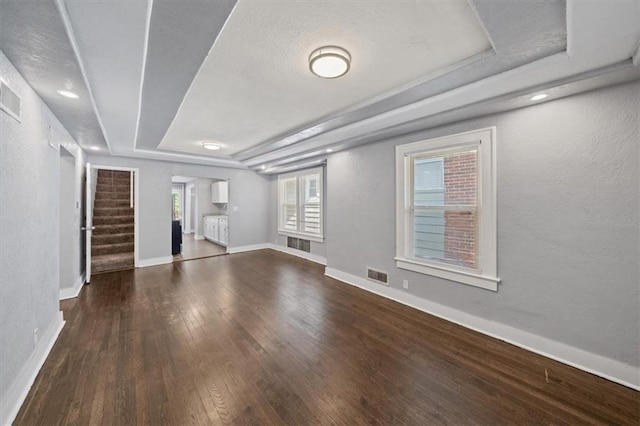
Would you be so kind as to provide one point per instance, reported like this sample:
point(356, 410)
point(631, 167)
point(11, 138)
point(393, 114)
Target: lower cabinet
point(216, 229)
point(223, 231)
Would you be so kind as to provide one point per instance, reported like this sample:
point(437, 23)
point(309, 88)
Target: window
point(446, 208)
point(176, 197)
point(300, 204)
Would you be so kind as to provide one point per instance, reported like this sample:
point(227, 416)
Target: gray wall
point(247, 191)
point(68, 240)
point(568, 231)
point(72, 251)
point(29, 225)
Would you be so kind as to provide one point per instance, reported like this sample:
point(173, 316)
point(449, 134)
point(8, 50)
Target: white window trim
point(300, 190)
point(310, 237)
point(487, 275)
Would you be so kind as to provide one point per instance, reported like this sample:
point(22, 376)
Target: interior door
point(88, 223)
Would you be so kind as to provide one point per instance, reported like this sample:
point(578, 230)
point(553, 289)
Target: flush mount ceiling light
point(539, 96)
point(67, 94)
point(329, 62)
point(95, 148)
point(211, 146)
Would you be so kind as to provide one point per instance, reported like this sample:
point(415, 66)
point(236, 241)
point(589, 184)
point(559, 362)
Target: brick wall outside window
point(460, 182)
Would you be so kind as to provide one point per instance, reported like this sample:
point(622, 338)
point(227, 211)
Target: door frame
point(188, 218)
point(136, 204)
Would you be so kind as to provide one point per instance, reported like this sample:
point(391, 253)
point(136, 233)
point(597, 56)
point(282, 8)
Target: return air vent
point(379, 276)
point(10, 102)
point(299, 244)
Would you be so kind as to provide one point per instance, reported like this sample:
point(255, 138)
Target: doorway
point(112, 219)
point(200, 225)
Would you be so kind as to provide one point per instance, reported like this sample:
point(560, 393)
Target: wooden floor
point(268, 339)
point(197, 249)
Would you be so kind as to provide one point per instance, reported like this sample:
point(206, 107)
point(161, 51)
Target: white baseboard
point(71, 292)
point(198, 237)
point(241, 249)
point(143, 263)
point(303, 254)
point(19, 389)
point(599, 365)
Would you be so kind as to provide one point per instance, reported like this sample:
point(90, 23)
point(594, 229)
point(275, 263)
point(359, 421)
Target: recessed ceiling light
point(329, 62)
point(211, 146)
point(95, 148)
point(539, 96)
point(263, 167)
point(67, 94)
point(329, 150)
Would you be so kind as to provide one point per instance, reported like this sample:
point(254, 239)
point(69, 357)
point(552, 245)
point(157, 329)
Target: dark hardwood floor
point(266, 338)
point(197, 249)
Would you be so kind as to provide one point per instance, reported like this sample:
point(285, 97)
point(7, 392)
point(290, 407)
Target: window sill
point(451, 274)
point(314, 238)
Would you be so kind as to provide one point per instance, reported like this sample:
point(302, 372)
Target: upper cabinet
point(220, 192)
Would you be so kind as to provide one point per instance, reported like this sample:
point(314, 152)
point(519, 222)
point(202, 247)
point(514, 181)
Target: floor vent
point(299, 244)
point(10, 102)
point(379, 276)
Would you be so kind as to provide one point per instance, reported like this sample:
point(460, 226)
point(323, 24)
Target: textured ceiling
point(180, 36)
point(34, 39)
point(133, 63)
point(256, 84)
point(521, 33)
point(113, 60)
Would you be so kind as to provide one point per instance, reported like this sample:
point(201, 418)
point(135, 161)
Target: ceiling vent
point(379, 276)
point(10, 102)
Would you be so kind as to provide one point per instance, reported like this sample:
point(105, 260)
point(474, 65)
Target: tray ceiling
point(255, 83)
point(157, 77)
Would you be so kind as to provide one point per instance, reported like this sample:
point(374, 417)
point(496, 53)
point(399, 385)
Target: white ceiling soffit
point(602, 37)
point(34, 38)
point(111, 37)
point(618, 74)
point(536, 45)
point(256, 84)
point(520, 32)
point(181, 34)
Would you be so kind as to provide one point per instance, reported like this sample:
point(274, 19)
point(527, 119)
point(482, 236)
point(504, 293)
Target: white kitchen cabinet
point(223, 231)
point(216, 229)
point(220, 192)
point(214, 232)
point(207, 228)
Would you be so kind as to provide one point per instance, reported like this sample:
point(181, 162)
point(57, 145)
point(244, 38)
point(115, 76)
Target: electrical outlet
point(35, 337)
point(405, 284)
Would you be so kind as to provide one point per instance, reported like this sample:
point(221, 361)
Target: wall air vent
point(10, 102)
point(379, 276)
point(299, 244)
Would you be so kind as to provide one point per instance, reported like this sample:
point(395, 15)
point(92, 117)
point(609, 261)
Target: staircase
point(112, 240)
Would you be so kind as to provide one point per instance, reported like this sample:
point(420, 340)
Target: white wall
point(29, 243)
point(248, 192)
point(568, 227)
